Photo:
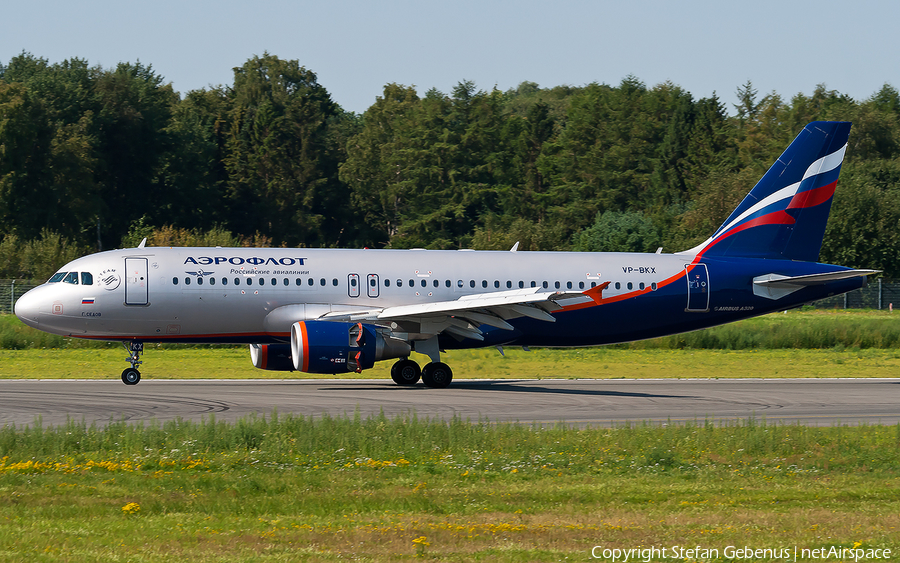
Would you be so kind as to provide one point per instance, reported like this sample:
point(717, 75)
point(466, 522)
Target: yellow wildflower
point(421, 543)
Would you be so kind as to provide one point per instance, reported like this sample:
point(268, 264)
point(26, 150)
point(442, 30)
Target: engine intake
point(333, 347)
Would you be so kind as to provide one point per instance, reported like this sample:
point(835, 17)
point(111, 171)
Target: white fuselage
point(229, 294)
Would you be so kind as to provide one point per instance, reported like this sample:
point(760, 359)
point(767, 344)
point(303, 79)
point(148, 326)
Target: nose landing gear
point(131, 376)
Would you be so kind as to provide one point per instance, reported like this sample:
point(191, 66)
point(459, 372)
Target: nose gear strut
point(131, 376)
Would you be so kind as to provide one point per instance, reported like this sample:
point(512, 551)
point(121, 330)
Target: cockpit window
point(71, 277)
point(57, 277)
point(87, 278)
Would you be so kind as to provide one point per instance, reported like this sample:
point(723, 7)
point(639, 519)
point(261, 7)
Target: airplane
point(332, 311)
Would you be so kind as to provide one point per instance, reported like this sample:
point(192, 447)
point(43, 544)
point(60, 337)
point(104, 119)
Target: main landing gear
point(435, 374)
point(131, 376)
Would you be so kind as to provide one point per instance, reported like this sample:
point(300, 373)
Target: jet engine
point(335, 347)
point(274, 357)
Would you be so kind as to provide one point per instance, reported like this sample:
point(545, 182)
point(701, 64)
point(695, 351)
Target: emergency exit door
point(353, 285)
point(372, 285)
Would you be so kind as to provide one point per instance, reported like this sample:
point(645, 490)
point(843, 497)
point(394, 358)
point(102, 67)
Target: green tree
point(193, 178)
point(372, 168)
point(38, 258)
point(25, 139)
point(862, 229)
point(282, 179)
point(94, 146)
point(48, 158)
point(426, 170)
point(611, 155)
point(135, 111)
point(525, 191)
point(618, 231)
point(747, 108)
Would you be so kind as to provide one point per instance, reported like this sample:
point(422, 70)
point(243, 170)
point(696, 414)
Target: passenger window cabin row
point(249, 281)
point(460, 284)
point(85, 278)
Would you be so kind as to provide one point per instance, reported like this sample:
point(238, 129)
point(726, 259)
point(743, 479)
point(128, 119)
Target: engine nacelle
point(333, 347)
point(274, 357)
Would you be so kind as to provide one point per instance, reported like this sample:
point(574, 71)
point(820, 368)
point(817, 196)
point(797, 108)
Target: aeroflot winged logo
point(200, 273)
point(238, 260)
point(109, 279)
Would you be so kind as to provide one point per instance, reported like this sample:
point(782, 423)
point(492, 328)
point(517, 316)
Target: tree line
point(94, 158)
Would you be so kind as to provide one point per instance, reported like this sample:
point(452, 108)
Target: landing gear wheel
point(437, 375)
point(405, 372)
point(131, 376)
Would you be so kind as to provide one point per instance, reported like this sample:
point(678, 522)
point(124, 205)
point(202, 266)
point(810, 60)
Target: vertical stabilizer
point(784, 216)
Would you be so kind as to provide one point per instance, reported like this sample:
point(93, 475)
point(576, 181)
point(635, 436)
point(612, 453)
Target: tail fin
point(784, 216)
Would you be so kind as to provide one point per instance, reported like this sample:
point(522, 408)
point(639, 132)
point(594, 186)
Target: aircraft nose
point(27, 308)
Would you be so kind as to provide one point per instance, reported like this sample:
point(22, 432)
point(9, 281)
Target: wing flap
point(492, 309)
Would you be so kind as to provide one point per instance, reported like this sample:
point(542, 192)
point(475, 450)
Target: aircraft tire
point(131, 376)
point(405, 372)
point(437, 375)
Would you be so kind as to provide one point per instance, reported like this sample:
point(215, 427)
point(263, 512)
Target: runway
point(815, 402)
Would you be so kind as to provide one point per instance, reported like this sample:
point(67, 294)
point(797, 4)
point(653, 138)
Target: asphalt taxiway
point(814, 402)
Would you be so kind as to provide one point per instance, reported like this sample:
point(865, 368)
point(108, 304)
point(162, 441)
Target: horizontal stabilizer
point(775, 280)
point(776, 286)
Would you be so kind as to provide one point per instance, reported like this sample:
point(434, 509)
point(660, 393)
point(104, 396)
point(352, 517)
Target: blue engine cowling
point(273, 357)
point(334, 347)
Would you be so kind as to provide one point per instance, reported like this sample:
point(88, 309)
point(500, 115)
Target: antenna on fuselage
point(143, 242)
point(515, 247)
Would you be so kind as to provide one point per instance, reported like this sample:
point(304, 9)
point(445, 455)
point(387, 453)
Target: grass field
point(606, 363)
point(297, 489)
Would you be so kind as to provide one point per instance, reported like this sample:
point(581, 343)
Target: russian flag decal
point(87, 300)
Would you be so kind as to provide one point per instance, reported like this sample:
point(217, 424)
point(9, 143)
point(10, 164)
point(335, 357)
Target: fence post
point(879, 294)
point(12, 296)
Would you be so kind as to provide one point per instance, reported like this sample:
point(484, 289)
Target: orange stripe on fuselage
point(631, 294)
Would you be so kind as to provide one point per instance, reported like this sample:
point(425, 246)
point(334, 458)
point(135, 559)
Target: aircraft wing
point(462, 317)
